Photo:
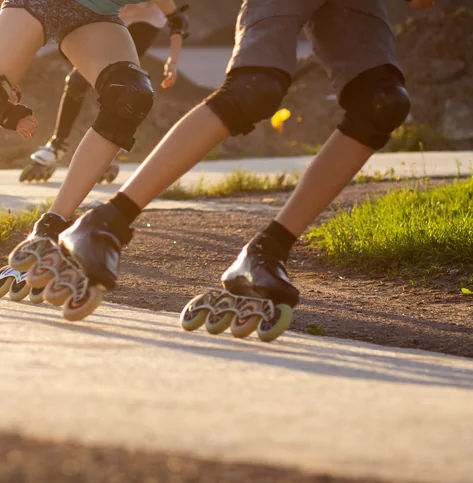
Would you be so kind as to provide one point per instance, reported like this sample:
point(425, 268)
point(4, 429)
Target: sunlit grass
point(411, 227)
point(22, 221)
point(241, 181)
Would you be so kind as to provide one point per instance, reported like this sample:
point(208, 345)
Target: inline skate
point(27, 270)
point(14, 283)
point(44, 161)
point(257, 295)
point(112, 171)
point(83, 264)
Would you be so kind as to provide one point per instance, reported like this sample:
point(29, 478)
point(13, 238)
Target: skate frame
point(217, 301)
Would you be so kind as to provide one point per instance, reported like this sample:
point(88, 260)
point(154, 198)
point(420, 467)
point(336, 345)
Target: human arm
point(19, 118)
point(170, 68)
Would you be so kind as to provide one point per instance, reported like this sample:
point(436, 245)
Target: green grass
point(414, 137)
point(241, 181)
point(420, 228)
point(14, 222)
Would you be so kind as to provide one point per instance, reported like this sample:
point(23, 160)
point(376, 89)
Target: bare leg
point(21, 36)
point(330, 171)
point(182, 148)
point(91, 48)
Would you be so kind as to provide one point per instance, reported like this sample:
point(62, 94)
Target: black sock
point(127, 207)
point(281, 234)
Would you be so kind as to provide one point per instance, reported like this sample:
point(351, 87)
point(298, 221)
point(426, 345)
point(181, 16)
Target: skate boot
point(87, 261)
point(111, 172)
point(257, 295)
point(30, 257)
point(44, 161)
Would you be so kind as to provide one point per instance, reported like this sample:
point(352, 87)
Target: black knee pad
point(376, 103)
point(76, 86)
point(248, 96)
point(126, 97)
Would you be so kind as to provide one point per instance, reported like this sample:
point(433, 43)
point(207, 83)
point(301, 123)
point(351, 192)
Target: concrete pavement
point(14, 195)
point(132, 378)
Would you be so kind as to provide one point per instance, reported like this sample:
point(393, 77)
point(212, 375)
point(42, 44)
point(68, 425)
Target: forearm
point(175, 48)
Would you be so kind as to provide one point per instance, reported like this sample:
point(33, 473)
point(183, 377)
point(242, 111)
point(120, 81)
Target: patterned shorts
point(60, 17)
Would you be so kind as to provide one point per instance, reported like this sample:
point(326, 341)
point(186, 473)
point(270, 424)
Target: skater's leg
point(75, 89)
point(248, 96)
point(111, 44)
point(360, 54)
point(21, 36)
point(143, 35)
point(332, 169)
point(202, 130)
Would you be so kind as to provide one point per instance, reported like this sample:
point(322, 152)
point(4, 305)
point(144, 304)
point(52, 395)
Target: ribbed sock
point(281, 234)
point(126, 206)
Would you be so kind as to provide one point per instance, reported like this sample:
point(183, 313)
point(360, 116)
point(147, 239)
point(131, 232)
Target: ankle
point(127, 208)
point(284, 238)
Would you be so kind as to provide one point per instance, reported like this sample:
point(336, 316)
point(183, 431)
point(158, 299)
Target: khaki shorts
point(347, 36)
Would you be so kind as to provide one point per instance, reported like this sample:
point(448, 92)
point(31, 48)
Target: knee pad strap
point(248, 96)
point(126, 97)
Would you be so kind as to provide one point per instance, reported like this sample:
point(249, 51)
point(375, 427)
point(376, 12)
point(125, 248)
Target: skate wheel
point(18, 291)
point(37, 295)
point(22, 260)
point(193, 319)
point(56, 293)
point(218, 323)
point(49, 173)
point(39, 277)
point(25, 174)
point(111, 174)
point(5, 283)
point(75, 311)
point(272, 329)
point(242, 328)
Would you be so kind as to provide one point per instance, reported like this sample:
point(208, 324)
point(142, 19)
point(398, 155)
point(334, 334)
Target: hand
point(170, 74)
point(422, 3)
point(27, 127)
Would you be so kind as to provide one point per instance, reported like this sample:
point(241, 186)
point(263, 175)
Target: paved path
point(14, 195)
point(132, 378)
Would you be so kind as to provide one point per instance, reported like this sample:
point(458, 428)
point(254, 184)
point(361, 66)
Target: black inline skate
point(257, 295)
point(85, 262)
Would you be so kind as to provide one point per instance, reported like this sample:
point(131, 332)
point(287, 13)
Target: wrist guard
point(178, 22)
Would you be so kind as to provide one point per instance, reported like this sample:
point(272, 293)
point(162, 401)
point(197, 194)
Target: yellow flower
point(277, 121)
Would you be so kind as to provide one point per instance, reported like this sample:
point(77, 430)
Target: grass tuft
point(423, 227)
point(241, 181)
point(13, 222)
